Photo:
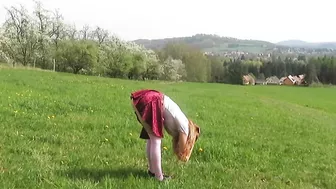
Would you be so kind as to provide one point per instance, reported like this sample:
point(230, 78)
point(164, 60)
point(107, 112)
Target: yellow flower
point(200, 150)
point(131, 134)
point(106, 139)
point(165, 148)
point(52, 116)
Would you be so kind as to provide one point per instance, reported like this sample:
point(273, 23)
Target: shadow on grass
point(99, 174)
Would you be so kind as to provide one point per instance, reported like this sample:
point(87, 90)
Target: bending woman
point(156, 111)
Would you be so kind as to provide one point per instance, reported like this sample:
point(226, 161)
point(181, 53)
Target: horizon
point(236, 38)
point(158, 21)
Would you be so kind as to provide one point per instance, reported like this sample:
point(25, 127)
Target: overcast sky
point(270, 20)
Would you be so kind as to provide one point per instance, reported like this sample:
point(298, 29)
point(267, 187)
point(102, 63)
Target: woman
point(156, 111)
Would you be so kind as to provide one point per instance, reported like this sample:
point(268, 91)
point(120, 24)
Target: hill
point(304, 44)
point(73, 131)
point(211, 43)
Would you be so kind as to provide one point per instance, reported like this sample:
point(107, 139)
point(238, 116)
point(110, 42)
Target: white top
point(173, 113)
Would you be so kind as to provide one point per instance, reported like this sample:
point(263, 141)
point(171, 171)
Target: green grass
point(68, 131)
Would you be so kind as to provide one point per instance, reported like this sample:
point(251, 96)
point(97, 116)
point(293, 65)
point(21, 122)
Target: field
point(69, 131)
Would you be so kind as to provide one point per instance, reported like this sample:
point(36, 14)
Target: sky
point(269, 20)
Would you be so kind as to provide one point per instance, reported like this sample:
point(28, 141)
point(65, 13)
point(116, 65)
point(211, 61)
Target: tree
point(138, 67)
point(173, 70)
point(311, 74)
point(43, 22)
point(197, 66)
point(19, 38)
point(77, 55)
point(235, 72)
point(217, 69)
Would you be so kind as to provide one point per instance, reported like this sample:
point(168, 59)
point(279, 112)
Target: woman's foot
point(150, 173)
point(165, 177)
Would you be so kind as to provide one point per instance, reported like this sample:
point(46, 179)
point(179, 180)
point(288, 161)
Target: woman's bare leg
point(155, 156)
point(148, 156)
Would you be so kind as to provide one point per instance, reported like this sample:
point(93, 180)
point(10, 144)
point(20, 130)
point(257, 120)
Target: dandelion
point(130, 134)
point(106, 126)
point(200, 150)
point(52, 116)
point(165, 148)
point(48, 117)
point(106, 139)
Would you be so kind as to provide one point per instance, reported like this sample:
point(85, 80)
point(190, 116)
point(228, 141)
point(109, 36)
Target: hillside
point(222, 45)
point(211, 43)
point(72, 131)
point(304, 44)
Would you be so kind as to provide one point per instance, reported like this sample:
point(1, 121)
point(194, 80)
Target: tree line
point(42, 39)
point(316, 69)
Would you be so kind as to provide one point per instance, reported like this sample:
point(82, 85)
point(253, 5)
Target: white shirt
point(173, 114)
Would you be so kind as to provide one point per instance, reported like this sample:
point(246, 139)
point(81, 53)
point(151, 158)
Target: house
point(297, 80)
point(294, 80)
point(248, 80)
point(302, 79)
point(289, 80)
point(260, 82)
point(273, 80)
point(281, 81)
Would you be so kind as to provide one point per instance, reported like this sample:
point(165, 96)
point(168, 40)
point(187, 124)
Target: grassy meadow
point(62, 130)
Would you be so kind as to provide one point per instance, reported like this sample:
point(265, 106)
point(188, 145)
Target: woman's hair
point(184, 153)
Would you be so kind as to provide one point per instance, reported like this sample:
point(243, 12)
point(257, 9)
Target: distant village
point(274, 80)
point(293, 52)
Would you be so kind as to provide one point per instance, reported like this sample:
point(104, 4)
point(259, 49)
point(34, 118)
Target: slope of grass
point(68, 131)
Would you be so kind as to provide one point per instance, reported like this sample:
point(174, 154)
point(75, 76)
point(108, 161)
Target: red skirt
point(149, 104)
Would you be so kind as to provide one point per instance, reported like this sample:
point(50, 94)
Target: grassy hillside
point(68, 131)
point(211, 43)
point(304, 44)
